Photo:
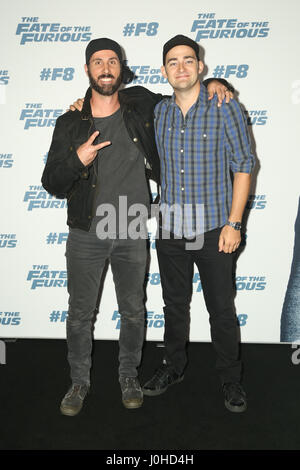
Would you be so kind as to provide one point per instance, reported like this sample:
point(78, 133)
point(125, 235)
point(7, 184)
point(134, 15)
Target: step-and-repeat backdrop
point(254, 46)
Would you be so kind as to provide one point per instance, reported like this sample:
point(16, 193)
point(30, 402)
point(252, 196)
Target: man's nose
point(106, 67)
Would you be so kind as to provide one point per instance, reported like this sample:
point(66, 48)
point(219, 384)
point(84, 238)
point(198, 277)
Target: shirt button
point(135, 139)
point(204, 136)
point(182, 189)
point(182, 171)
point(181, 150)
point(182, 131)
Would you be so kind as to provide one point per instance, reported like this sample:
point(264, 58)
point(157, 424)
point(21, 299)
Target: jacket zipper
point(96, 185)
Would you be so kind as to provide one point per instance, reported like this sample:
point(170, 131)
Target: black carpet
point(189, 416)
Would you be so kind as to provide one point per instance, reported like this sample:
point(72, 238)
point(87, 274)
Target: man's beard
point(106, 90)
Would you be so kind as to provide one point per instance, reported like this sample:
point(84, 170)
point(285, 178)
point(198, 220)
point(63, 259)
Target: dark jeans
point(215, 269)
point(86, 257)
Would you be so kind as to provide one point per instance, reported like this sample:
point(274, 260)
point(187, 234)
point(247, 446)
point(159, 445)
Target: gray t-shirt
point(121, 172)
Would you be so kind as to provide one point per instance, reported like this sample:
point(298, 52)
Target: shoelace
point(130, 381)
point(74, 390)
point(160, 372)
point(234, 387)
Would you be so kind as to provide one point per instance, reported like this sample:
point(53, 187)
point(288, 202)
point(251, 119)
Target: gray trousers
point(86, 258)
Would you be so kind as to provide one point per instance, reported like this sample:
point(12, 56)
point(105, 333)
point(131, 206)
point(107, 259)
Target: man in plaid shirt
point(200, 146)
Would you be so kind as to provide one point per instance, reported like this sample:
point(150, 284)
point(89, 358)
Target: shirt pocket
point(208, 143)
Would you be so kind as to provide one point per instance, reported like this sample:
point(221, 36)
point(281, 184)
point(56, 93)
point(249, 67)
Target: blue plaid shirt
point(197, 154)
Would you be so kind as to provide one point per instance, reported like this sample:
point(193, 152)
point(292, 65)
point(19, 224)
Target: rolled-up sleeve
point(237, 138)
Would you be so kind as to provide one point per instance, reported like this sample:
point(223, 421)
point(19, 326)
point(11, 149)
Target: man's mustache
point(107, 75)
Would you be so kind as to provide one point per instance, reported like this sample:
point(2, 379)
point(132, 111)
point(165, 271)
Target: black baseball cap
point(101, 44)
point(180, 40)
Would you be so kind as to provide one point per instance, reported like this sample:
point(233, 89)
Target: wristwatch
point(235, 225)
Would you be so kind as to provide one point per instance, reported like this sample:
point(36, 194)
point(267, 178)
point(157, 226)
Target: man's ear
point(86, 69)
point(163, 71)
point(200, 66)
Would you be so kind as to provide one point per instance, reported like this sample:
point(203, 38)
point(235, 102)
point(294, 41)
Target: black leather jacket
point(66, 176)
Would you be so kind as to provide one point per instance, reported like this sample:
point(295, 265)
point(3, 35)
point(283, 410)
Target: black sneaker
point(163, 377)
point(132, 395)
point(73, 400)
point(235, 397)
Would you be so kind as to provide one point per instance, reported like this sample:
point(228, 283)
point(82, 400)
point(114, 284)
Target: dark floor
point(189, 416)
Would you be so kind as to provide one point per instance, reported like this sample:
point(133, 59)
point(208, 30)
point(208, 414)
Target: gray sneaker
point(73, 400)
point(132, 395)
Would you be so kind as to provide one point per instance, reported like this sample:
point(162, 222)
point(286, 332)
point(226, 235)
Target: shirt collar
point(202, 99)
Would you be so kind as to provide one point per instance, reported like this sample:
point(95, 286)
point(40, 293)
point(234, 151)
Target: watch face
point(235, 225)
